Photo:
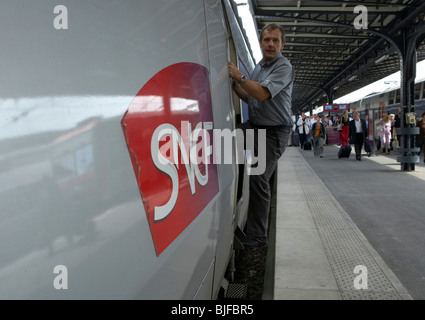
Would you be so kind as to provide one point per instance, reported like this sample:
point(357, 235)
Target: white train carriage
point(376, 104)
point(91, 207)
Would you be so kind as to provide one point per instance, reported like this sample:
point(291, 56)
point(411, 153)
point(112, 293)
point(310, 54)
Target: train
point(389, 100)
point(93, 94)
point(375, 105)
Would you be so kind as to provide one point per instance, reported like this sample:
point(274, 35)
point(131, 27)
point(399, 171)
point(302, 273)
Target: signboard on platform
point(335, 107)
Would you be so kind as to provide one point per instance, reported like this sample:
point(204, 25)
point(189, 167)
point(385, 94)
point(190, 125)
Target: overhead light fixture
point(353, 78)
point(382, 58)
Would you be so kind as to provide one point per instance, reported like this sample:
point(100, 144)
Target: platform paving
point(320, 253)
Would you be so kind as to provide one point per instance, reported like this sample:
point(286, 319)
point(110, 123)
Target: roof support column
point(330, 95)
point(408, 43)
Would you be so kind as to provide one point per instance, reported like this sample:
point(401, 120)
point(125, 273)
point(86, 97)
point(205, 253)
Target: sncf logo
point(194, 155)
point(169, 132)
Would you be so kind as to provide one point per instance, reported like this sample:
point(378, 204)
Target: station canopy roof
point(329, 50)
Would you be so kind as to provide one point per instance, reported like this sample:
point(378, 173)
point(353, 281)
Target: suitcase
point(367, 147)
point(344, 152)
point(295, 139)
point(307, 146)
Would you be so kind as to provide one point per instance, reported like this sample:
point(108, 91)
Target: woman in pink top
point(385, 134)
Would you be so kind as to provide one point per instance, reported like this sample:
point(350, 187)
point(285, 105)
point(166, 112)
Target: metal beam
point(385, 9)
point(324, 36)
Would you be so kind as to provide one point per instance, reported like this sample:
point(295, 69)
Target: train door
point(233, 177)
point(224, 119)
point(240, 55)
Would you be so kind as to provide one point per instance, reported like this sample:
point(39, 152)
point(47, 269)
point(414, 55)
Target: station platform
point(348, 229)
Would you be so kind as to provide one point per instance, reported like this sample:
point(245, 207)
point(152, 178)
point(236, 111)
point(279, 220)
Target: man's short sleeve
point(280, 77)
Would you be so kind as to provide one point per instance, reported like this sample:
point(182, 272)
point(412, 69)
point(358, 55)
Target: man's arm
point(241, 93)
point(249, 87)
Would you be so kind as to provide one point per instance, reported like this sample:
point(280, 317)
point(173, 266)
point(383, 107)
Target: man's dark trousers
point(358, 144)
point(259, 187)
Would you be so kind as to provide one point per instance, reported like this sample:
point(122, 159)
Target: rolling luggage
point(367, 147)
point(295, 139)
point(344, 152)
point(307, 146)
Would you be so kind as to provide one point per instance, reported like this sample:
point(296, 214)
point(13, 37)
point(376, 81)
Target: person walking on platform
point(318, 134)
point(268, 93)
point(345, 129)
point(385, 124)
point(328, 123)
point(367, 142)
point(420, 138)
point(303, 126)
point(357, 134)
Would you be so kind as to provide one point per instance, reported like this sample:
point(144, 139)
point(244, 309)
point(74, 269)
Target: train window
point(397, 96)
point(417, 91)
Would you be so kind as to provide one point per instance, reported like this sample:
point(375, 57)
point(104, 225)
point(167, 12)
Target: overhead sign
point(335, 107)
point(169, 132)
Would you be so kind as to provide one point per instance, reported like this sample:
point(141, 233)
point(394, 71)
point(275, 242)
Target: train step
point(236, 291)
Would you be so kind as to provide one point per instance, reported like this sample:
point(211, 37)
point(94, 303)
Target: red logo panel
point(169, 132)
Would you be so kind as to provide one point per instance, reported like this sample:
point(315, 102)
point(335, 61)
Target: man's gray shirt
point(277, 76)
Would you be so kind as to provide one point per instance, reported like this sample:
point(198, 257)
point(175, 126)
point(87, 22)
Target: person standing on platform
point(397, 125)
point(420, 138)
point(325, 123)
point(345, 129)
point(357, 134)
point(318, 135)
point(336, 124)
point(268, 93)
point(303, 126)
point(313, 120)
point(337, 120)
point(393, 137)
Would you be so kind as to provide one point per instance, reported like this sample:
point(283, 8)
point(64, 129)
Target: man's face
point(271, 44)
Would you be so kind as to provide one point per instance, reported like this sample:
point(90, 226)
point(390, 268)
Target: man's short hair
point(271, 27)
